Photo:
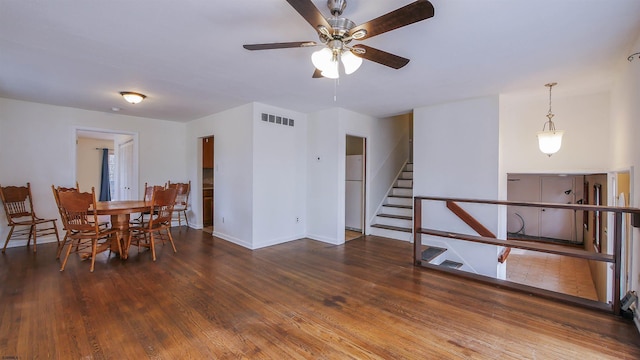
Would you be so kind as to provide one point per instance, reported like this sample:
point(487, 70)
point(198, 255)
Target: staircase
point(395, 218)
point(435, 255)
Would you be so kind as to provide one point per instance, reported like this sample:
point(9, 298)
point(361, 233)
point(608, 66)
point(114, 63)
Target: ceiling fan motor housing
point(336, 6)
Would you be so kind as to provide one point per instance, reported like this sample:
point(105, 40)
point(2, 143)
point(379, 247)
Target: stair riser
point(398, 235)
point(394, 222)
point(400, 201)
point(406, 175)
point(402, 192)
point(404, 183)
point(396, 211)
point(408, 167)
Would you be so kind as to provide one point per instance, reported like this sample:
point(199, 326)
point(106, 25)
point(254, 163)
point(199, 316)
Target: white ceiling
point(187, 55)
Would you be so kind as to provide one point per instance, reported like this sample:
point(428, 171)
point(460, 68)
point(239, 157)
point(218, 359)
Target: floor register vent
point(277, 119)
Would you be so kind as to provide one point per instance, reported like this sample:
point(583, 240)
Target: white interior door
point(125, 171)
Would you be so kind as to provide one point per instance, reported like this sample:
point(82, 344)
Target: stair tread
point(403, 187)
point(451, 264)
point(389, 227)
point(403, 217)
point(401, 196)
point(432, 252)
point(399, 206)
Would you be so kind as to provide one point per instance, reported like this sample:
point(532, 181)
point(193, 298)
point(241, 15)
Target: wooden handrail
point(477, 227)
point(469, 220)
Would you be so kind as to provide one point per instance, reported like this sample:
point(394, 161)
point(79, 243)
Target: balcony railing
point(486, 237)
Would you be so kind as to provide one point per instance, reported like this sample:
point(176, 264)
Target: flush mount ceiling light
point(132, 97)
point(549, 141)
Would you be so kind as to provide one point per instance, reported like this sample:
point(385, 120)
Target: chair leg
point(171, 240)
point(186, 218)
point(64, 263)
point(8, 237)
point(55, 229)
point(35, 235)
point(153, 248)
point(94, 250)
point(61, 245)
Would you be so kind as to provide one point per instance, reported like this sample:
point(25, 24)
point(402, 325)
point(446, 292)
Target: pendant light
point(550, 140)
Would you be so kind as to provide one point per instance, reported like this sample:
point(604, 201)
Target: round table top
point(121, 207)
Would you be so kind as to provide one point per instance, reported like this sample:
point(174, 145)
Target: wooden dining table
point(120, 212)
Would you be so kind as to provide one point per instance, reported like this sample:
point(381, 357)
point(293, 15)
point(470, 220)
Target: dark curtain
point(105, 191)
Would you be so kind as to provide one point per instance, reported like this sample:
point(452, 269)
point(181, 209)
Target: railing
point(485, 237)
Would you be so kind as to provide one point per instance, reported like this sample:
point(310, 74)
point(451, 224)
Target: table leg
point(121, 223)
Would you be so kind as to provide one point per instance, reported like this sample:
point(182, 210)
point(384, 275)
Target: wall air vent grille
point(278, 120)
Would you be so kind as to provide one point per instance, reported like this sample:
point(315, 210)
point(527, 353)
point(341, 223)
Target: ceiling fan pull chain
point(335, 90)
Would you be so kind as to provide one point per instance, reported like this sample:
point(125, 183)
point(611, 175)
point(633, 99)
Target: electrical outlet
point(223, 219)
point(297, 219)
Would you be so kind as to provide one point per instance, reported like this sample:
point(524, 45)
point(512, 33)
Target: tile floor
point(552, 272)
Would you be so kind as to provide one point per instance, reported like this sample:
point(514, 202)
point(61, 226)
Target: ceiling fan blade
point(381, 57)
point(407, 15)
point(310, 13)
point(317, 74)
point(283, 45)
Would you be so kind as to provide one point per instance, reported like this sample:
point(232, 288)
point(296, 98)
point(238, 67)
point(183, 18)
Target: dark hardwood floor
point(300, 300)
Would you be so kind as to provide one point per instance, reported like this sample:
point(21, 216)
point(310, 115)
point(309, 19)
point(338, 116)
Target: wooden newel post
point(617, 256)
point(417, 225)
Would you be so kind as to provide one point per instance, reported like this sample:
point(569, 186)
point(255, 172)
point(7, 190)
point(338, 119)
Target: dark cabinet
point(207, 153)
point(207, 207)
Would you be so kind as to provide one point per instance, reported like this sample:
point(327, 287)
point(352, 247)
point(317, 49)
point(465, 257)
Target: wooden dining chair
point(83, 227)
point(22, 218)
point(182, 200)
point(56, 191)
point(158, 227)
point(148, 193)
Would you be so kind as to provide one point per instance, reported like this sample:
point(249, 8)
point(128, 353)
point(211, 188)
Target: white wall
point(233, 173)
point(37, 145)
point(456, 155)
point(280, 177)
point(323, 152)
point(387, 150)
point(625, 147)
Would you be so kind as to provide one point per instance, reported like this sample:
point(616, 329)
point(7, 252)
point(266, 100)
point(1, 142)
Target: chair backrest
point(17, 202)
point(148, 191)
point(56, 197)
point(182, 192)
point(78, 210)
point(162, 204)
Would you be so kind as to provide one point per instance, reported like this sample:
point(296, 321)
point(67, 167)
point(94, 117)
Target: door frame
point(114, 134)
point(363, 220)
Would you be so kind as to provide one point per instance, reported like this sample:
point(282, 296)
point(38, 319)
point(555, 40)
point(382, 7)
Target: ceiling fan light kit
point(336, 33)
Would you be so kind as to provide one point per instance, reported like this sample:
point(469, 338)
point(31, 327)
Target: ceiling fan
point(336, 33)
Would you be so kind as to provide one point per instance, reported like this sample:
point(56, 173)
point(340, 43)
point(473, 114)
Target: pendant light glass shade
point(550, 142)
point(350, 61)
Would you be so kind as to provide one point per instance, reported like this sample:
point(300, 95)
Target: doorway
point(207, 145)
point(355, 185)
point(123, 169)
